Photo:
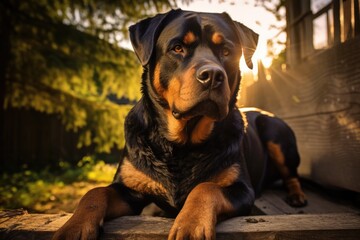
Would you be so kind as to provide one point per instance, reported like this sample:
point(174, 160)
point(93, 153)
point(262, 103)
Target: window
point(323, 23)
point(334, 21)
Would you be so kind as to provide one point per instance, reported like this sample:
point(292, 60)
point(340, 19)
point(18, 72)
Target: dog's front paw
point(77, 231)
point(296, 200)
point(296, 197)
point(192, 228)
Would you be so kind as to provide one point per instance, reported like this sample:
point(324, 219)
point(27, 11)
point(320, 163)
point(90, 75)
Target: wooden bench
point(321, 219)
point(303, 226)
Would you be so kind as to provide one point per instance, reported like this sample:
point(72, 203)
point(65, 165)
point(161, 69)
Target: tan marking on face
point(176, 128)
point(227, 177)
point(202, 130)
point(157, 85)
point(172, 92)
point(189, 38)
point(182, 95)
point(188, 76)
point(217, 38)
point(187, 91)
point(138, 181)
point(181, 90)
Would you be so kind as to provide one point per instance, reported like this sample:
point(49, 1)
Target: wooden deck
point(323, 218)
point(320, 201)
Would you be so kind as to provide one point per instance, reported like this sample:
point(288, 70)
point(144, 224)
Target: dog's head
point(193, 64)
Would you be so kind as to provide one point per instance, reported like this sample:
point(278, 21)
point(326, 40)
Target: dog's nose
point(210, 76)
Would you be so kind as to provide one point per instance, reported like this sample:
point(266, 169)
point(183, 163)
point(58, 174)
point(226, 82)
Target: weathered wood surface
point(272, 202)
point(323, 226)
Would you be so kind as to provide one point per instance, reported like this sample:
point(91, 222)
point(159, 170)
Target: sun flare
point(260, 55)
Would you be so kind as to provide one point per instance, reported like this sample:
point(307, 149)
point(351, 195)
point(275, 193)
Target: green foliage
point(35, 190)
point(65, 60)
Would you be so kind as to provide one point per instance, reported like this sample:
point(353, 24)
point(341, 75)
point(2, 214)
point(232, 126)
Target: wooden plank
point(272, 202)
point(325, 226)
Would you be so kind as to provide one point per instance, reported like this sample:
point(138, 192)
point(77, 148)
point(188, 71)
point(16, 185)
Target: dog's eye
point(225, 51)
point(178, 49)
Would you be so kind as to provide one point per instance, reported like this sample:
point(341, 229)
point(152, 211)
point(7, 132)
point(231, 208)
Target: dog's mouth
point(207, 108)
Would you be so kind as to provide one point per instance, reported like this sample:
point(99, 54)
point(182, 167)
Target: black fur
point(181, 167)
point(189, 149)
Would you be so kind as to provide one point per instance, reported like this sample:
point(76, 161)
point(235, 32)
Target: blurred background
point(68, 77)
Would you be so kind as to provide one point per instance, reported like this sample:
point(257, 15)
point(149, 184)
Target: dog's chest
point(181, 173)
point(169, 176)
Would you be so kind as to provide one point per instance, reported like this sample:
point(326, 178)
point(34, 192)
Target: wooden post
point(306, 36)
point(348, 15)
point(293, 10)
point(357, 17)
point(337, 24)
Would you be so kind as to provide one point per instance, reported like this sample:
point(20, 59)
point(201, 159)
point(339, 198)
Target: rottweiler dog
point(189, 149)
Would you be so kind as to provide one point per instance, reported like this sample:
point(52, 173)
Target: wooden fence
point(37, 140)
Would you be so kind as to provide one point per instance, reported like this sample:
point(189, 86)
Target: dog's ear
point(249, 40)
point(143, 35)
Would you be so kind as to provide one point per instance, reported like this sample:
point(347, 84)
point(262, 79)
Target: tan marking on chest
point(139, 181)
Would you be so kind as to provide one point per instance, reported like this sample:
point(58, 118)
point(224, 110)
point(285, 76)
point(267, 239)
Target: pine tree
point(63, 57)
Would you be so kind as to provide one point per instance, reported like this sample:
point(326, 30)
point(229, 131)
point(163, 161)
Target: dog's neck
point(194, 130)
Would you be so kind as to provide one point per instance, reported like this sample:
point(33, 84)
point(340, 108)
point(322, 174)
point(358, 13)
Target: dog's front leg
point(95, 206)
point(206, 204)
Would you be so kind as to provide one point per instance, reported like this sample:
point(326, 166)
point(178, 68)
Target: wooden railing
point(303, 226)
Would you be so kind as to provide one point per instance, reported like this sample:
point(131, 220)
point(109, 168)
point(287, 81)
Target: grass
point(53, 192)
